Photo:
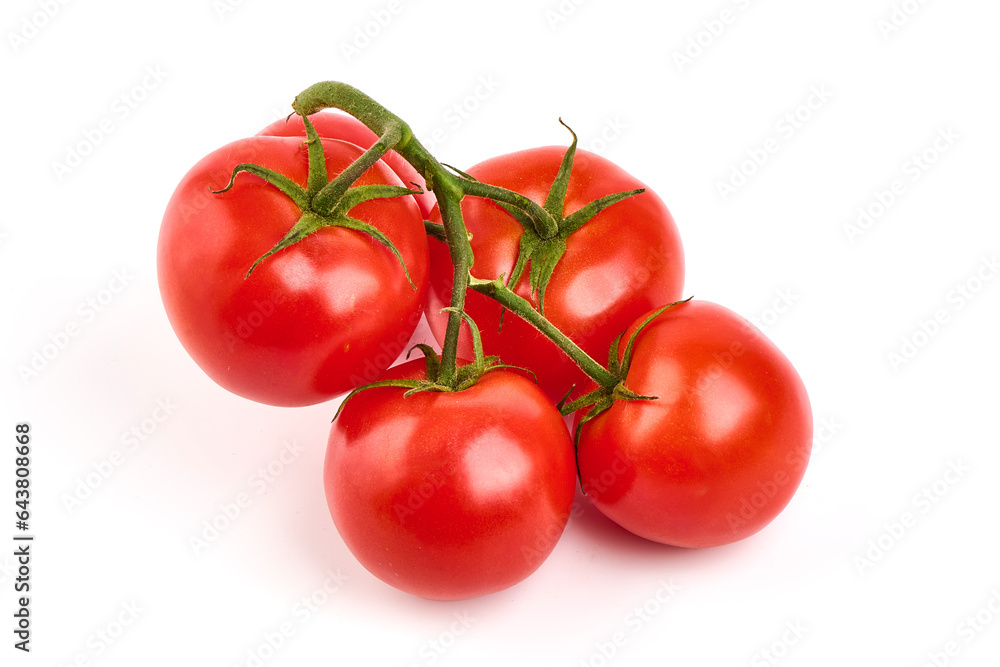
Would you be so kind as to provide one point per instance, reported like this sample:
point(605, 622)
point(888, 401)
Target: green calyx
point(546, 228)
point(465, 377)
point(602, 398)
point(327, 203)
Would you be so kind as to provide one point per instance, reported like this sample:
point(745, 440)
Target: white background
point(862, 567)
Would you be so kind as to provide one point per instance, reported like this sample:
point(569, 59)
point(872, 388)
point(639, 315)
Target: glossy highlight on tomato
point(450, 495)
point(315, 319)
point(720, 451)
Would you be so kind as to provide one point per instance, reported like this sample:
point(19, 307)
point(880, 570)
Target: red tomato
point(450, 495)
point(622, 263)
point(313, 320)
point(335, 125)
point(721, 451)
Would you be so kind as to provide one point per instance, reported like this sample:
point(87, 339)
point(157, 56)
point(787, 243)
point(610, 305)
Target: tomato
point(333, 125)
point(450, 495)
point(625, 261)
point(313, 320)
point(722, 449)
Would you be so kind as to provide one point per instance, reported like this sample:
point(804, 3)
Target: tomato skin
point(450, 495)
point(334, 125)
point(313, 320)
point(721, 451)
point(625, 261)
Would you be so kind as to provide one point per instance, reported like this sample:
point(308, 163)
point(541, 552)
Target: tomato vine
point(450, 187)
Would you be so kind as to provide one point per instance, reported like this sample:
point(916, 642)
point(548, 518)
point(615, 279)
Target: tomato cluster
point(295, 265)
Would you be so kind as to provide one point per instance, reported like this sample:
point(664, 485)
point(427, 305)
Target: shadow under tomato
point(594, 527)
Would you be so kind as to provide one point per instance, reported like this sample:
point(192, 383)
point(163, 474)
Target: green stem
point(449, 190)
point(449, 201)
point(317, 178)
point(496, 290)
point(544, 223)
point(327, 198)
point(333, 94)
